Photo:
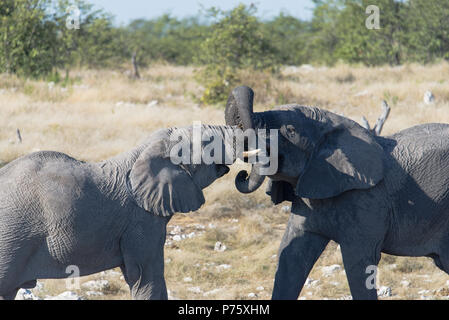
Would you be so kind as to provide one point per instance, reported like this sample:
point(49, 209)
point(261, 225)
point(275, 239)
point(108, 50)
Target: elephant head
point(168, 176)
point(320, 154)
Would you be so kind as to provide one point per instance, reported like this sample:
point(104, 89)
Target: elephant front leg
point(144, 283)
point(143, 263)
point(298, 253)
point(360, 262)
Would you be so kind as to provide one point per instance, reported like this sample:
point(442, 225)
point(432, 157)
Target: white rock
point(68, 295)
point(223, 267)
point(384, 291)
point(176, 230)
point(335, 283)
point(252, 295)
point(212, 226)
point(196, 290)
point(177, 238)
point(94, 294)
point(25, 294)
point(187, 279)
point(274, 256)
point(212, 292)
point(311, 282)
point(423, 292)
point(285, 209)
point(429, 98)
point(191, 235)
point(219, 247)
point(260, 288)
point(361, 93)
point(327, 271)
point(96, 285)
point(152, 103)
point(405, 283)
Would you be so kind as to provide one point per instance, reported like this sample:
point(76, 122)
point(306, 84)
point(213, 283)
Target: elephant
point(56, 211)
point(370, 194)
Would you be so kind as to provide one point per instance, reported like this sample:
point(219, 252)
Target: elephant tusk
point(252, 153)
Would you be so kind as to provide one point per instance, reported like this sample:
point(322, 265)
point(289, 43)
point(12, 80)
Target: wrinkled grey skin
point(369, 194)
point(56, 211)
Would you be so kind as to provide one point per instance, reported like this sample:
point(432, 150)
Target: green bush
point(236, 42)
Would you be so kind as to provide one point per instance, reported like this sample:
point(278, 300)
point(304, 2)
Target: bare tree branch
point(381, 121)
point(377, 130)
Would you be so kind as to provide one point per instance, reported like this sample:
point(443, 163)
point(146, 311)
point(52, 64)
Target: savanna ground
point(103, 113)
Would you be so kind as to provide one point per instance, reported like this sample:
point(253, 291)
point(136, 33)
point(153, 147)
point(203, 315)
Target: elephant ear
point(347, 158)
point(161, 187)
point(280, 191)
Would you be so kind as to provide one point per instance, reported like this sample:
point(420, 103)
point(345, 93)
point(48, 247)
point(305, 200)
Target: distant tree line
point(36, 40)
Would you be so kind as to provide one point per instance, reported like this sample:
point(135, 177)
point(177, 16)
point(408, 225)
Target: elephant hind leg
point(9, 296)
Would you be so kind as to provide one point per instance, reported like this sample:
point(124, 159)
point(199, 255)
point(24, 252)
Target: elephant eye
point(290, 130)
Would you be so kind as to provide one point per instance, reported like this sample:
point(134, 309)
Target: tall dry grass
point(105, 113)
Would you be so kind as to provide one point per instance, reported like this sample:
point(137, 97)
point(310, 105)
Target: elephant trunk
point(239, 112)
point(249, 184)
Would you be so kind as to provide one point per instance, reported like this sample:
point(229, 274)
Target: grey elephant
point(56, 211)
point(370, 194)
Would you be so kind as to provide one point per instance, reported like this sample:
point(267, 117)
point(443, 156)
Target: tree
point(26, 37)
point(428, 36)
point(236, 41)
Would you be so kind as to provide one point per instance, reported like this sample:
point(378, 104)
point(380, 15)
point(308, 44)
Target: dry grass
point(106, 113)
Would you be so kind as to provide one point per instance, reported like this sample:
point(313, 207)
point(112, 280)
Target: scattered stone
point(329, 270)
point(220, 247)
point(196, 290)
point(212, 292)
point(335, 283)
point(384, 291)
point(423, 292)
point(176, 230)
point(260, 288)
point(96, 285)
point(68, 295)
point(223, 267)
point(26, 294)
point(110, 273)
point(187, 279)
point(177, 238)
point(429, 98)
point(191, 235)
point(311, 282)
point(361, 93)
point(285, 209)
point(212, 226)
point(405, 283)
point(152, 103)
point(252, 295)
point(94, 294)
point(167, 261)
point(274, 256)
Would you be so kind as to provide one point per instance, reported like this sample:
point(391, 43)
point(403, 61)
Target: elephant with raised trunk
point(368, 193)
point(56, 211)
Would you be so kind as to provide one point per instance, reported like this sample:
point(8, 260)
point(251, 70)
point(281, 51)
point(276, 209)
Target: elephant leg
point(9, 296)
point(359, 261)
point(298, 253)
point(143, 267)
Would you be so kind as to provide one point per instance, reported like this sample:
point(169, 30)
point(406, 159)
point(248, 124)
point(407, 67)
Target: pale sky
point(127, 10)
